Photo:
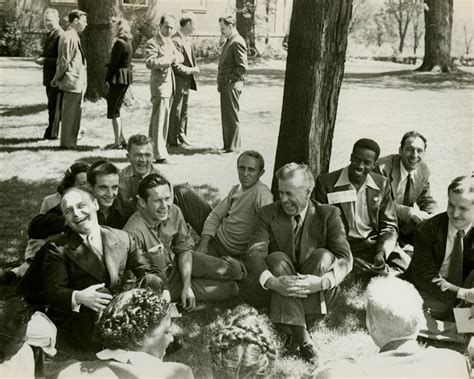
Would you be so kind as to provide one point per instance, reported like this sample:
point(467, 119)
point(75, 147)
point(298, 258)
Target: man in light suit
point(160, 54)
point(184, 73)
point(409, 178)
point(367, 210)
point(443, 260)
point(394, 317)
point(86, 264)
point(299, 252)
point(230, 82)
point(71, 77)
point(48, 61)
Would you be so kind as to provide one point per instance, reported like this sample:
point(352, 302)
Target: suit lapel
point(441, 239)
point(373, 202)
point(84, 257)
point(346, 207)
point(283, 232)
point(112, 255)
point(310, 224)
point(395, 175)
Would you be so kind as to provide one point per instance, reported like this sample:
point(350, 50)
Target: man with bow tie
point(367, 210)
point(48, 60)
point(409, 178)
point(298, 251)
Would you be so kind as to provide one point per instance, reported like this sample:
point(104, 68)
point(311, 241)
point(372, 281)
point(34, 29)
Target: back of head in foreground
point(243, 344)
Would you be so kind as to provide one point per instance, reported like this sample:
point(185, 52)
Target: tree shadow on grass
point(91, 159)
point(178, 150)
point(22, 110)
point(17, 141)
point(411, 80)
point(8, 149)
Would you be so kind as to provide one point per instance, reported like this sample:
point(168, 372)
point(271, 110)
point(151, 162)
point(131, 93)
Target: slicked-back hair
point(151, 181)
point(228, 20)
point(395, 306)
point(254, 154)
point(52, 11)
point(165, 16)
point(369, 144)
point(291, 169)
point(413, 134)
point(101, 167)
point(185, 19)
point(75, 13)
point(138, 140)
point(462, 184)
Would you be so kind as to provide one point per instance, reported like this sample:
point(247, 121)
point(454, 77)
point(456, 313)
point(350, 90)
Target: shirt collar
point(303, 213)
point(452, 231)
point(152, 223)
point(95, 235)
point(182, 35)
point(404, 172)
point(343, 180)
point(136, 358)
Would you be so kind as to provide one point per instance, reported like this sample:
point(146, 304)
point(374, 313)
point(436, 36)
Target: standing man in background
point(184, 74)
point(230, 82)
point(48, 61)
point(71, 77)
point(160, 54)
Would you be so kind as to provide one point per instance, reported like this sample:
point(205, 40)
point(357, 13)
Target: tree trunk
point(438, 29)
point(246, 21)
point(97, 40)
point(314, 70)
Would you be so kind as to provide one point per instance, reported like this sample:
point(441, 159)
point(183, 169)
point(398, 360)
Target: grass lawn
point(377, 100)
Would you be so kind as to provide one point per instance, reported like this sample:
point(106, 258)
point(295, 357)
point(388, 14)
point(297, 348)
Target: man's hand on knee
point(92, 298)
point(286, 285)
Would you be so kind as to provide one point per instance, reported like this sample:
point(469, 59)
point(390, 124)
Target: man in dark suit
point(443, 260)
point(299, 252)
point(86, 264)
point(184, 74)
point(367, 210)
point(230, 81)
point(48, 61)
point(409, 178)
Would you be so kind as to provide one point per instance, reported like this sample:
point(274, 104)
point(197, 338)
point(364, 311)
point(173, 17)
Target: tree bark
point(438, 29)
point(314, 71)
point(97, 40)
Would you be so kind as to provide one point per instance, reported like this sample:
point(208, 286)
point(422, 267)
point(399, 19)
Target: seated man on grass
point(367, 211)
point(394, 317)
point(409, 178)
point(443, 259)
point(160, 230)
point(299, 252)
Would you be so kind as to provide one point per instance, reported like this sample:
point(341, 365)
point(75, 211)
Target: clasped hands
point(299, 285)
point(444, 286)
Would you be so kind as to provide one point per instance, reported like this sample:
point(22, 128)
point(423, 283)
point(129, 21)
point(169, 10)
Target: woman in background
point(119, 77)
point(243, 344)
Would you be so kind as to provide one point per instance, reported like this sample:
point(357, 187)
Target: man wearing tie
point(409, 178)
point(443, 259)
point(299, 252)
point(367, 210)
point(230, 82)
point(48, 61)
point(71, 77)
point(184, 73)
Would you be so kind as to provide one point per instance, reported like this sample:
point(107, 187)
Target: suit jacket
point(184, 77)
point(381, 211)
point(429, 253)
point(159, 53)
point(50, 54)
point(71, 70)
point(322, 228)
point(389, 167)
point(232, 61)
point(401, 359)
point(69, 264)
point(119, 69)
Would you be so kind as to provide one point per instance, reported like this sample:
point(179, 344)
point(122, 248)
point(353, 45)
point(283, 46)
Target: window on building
point(136, 3)
point(194, 5)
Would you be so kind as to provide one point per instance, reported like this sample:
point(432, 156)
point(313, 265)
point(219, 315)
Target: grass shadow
point(23, 110)
point(91, 159)
point(178, 150)
point(17, 141)
point(8, 149)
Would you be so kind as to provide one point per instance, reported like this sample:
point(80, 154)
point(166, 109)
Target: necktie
point(455, 271)
point(408, 196)
point(296, 236)
point(297, 226)
point(94, 248)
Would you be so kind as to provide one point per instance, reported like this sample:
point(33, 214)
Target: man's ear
point(141, 202)
point(127, 155)
point(96, 205)
point(262, 171)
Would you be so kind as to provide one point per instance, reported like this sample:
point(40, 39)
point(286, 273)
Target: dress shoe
point(308, 352)
point(162, 161)
point(183, 140)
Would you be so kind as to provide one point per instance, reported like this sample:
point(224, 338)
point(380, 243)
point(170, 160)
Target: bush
point(207, 47)
point(11, 38)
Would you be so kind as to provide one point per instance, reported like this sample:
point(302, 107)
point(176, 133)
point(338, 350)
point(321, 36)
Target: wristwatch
point(325, 283)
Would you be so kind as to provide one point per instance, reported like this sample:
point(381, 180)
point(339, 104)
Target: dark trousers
point(194, 208)
point(291, 310)
point(178, 117)
point(52, 93)
point(71, 111)
point(230, 116)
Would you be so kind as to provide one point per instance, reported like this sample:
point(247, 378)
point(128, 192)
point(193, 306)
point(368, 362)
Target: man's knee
point(319, 261)
point(152, 282)
point(280, 264)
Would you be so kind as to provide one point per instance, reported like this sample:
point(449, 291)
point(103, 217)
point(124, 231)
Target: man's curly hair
point(129, 317)
point(243, 344)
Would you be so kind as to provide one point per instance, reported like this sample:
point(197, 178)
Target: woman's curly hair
point(70, 176)
point(129, 317)
point(243, 343)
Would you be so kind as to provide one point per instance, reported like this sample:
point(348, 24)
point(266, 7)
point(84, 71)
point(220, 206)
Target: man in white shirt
point(442, 267)
point(409, 178)
point(299, 252)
